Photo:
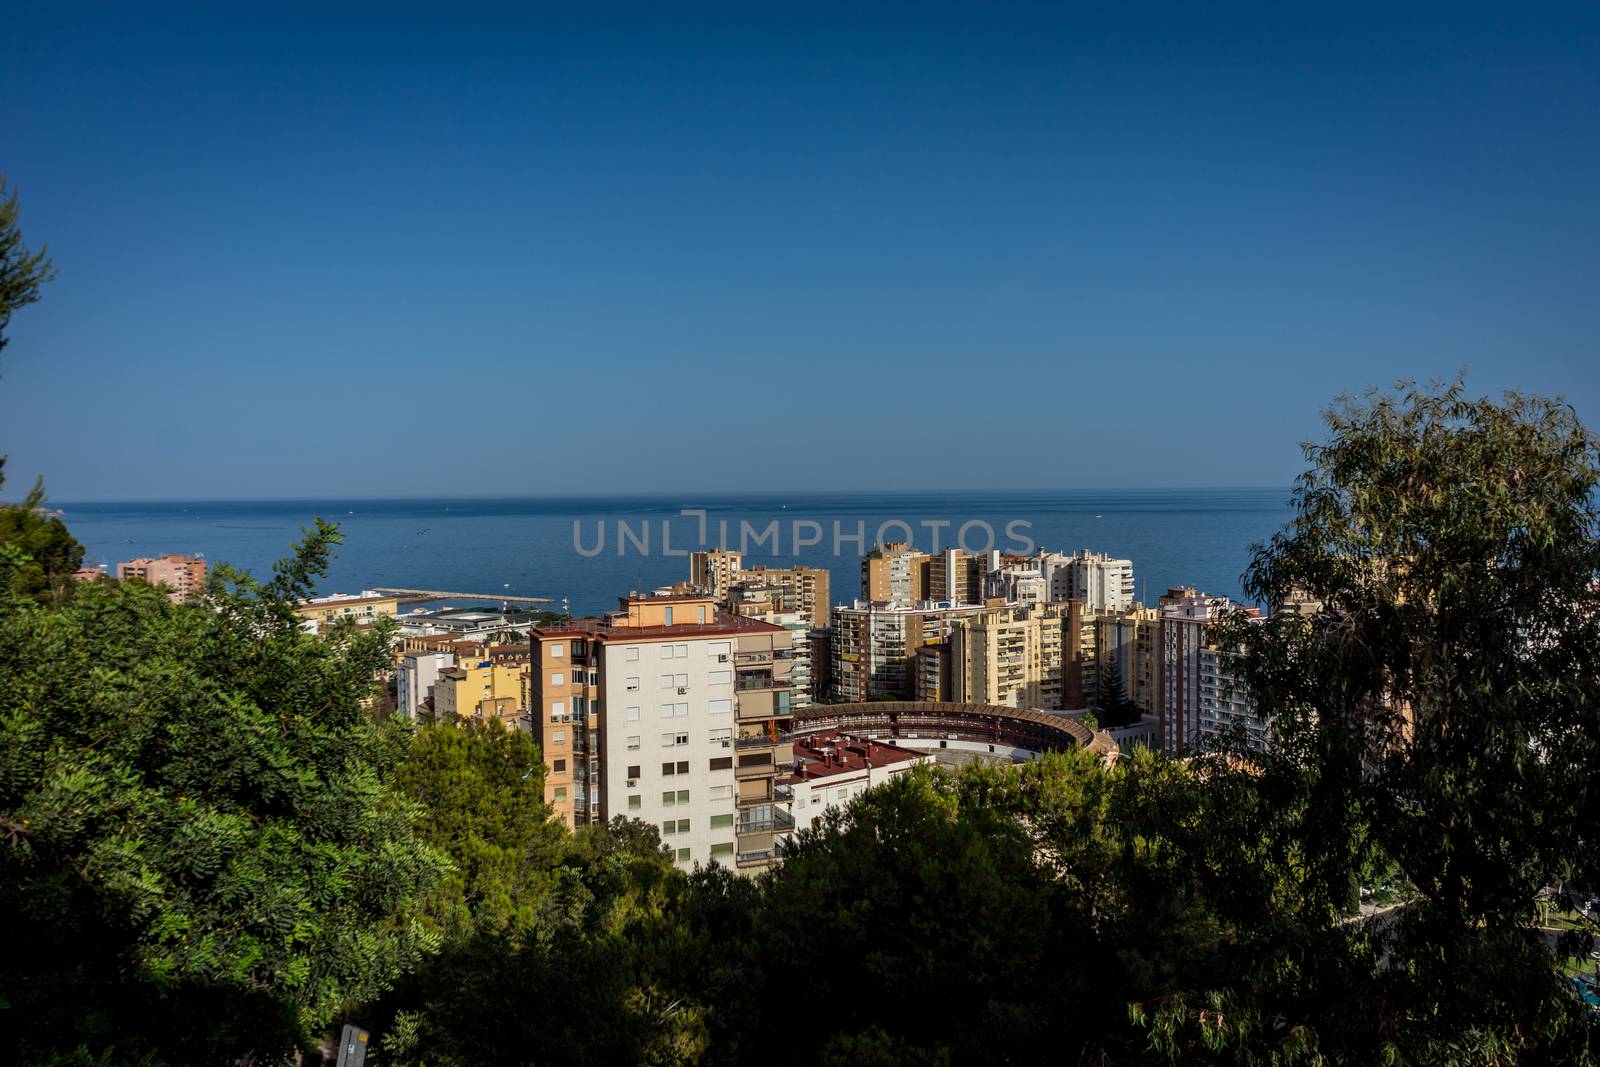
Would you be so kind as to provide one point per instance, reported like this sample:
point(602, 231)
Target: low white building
point(831, 768)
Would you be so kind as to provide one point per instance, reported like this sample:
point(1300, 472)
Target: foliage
point(1112, 700)
point(1439, 712)
point(480, 788)
point(47, 553)
point(575, 987)
point(21, 272)
point(204, 856)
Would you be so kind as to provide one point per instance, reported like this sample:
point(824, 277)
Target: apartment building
point(1105, 585)
point(958, 577)
point(1018, 580)
point(1019, 656)
point(416, 676)
point(714, 571)
point(1200, 697)
point(184, 576)
point(874, 645)
point(720, 573)
point(894, 573)
point(672, 710)
point(830, 769)
point(1127, 644)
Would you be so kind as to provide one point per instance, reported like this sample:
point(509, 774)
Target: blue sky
point(381, 251)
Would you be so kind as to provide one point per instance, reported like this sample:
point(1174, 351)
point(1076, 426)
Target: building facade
point(1018, 656)
point(831, 769)
point(184, 576)
point(875, 644)
point(672, 710)
point(367, 608)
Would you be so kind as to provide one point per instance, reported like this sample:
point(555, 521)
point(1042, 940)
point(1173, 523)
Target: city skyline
point(1146, 247)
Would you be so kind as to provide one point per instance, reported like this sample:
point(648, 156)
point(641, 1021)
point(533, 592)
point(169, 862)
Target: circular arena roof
point(1023, 728)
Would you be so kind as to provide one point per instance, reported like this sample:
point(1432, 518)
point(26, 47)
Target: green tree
point(481, 790)
point(21, 272)
point(48, 554)
point(204, 855)
point(579, 986)
point(1112, 701)
point(1439, 711)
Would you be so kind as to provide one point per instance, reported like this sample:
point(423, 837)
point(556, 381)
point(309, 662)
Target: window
point(702, 613)
point(681, 680)
point(633, 771)
point(633, 685)
point(668, 768)
point(722, 851)
point(720, 678)
point(561, 792)
point(666, 652)
point(559, 767)
point(675, 826)
point(668, 740)
point(666, 711)
point(719, 648)
point(668, 799)
point(667, 681)
point(668, 619)
point(721, 822)
point(557, 650)
point(722, 763)
point(558, 708)
point(559, 737)
point(683, 766)
point(633, 714)
point(635, 801)
point(633, 743)
point(558, 678)
point(720, 707)
point(682, 711)
point(721, 737)
point(683, 853)
point(682, 651)
point(722, 792)
point(631, 653)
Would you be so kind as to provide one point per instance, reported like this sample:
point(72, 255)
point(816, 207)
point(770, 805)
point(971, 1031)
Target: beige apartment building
point(1019, 656)
point(720, 573)
point(713, 571)
point(894, 573)
point(1128, 644)
point(672, 710)
point(184, 576)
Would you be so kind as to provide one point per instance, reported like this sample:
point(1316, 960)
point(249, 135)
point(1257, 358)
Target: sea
point(584, 552)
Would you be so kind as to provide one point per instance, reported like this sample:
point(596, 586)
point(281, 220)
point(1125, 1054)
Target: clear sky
point(379, 251)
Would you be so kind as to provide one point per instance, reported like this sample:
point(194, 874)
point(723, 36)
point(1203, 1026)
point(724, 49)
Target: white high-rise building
point(672, 711)
point(1103, 584)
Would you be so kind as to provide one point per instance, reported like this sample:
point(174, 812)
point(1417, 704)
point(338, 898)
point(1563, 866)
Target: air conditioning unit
point(683, 690)
point(632, 783)
point(722, 657)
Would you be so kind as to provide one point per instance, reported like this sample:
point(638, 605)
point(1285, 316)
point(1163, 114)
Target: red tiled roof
point(829, 755)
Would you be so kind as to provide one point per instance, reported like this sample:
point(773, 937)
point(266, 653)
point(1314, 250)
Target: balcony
point(762, 858)
point(755, 765)
point(745, 681)
point(742, 658)
point(763, 740)
point(777, 822)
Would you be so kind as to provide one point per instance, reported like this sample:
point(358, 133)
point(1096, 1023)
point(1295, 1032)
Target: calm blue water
point(527, 547)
